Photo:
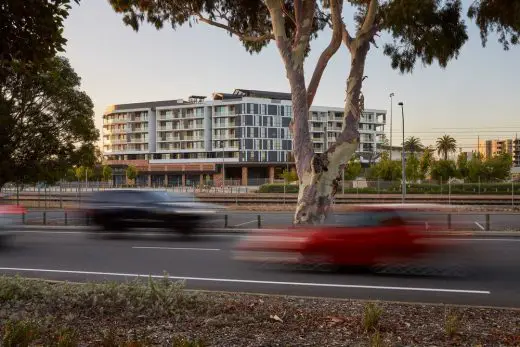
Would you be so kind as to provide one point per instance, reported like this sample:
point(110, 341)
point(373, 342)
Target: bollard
point(488, 222)
point(259, 221)
point(44, 217)
point(449, 222)
point(225, 221)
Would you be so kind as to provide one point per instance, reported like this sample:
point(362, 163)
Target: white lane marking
point(232, 280)
point(250, 222)
point(179, 248)
point(486, 239)
point(480, 226)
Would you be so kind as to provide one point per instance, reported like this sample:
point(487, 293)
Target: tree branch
point(347, 39)
point(279, 35)
point(304, 24)
point(287, 12)
point(241, 36)
point(366, 31)
point(338, 27)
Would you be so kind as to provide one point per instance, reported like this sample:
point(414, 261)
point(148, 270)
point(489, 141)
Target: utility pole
point(403, 189)
point(391, 117)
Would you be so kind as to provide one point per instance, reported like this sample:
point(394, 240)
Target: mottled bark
point(319, 182)
point(319, 174)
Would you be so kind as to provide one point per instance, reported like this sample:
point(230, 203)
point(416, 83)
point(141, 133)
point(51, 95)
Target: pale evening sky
point(476, 95)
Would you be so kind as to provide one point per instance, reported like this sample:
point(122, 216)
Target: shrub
point(376, 340)
point(184, 342)
point(371, 317)
point(278, 188)
point(66, 338)
point(452, 324)
point(19, 333)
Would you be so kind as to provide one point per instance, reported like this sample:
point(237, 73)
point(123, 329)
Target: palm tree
point(413, 144)
point(445, 145)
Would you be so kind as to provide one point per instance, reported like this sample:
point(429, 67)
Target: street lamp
point(391, 117)
point(223, 167)
point(403, 189)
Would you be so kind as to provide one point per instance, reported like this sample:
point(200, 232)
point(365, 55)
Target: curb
point(63, 228)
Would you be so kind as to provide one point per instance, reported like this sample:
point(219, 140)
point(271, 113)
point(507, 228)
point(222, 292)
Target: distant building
point(242, 136)
point(490, 148)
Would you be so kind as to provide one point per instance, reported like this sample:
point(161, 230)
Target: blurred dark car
point(118, 210)
point(368, 237)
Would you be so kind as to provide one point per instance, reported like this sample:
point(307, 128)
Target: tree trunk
point(320, 173)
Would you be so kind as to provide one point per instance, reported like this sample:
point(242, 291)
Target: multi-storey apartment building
point(241, 136)
point(489, 148)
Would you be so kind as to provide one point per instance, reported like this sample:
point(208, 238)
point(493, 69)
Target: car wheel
point(317, 262)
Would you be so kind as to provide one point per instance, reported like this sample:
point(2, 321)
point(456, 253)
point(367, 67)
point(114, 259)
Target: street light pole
point(223, 168)
point(391, 117)
point(403, 184)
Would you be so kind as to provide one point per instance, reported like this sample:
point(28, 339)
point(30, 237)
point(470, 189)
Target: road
point(237, 219)
point(206, 263)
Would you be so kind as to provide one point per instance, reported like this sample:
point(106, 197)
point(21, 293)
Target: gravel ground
point(161, 313)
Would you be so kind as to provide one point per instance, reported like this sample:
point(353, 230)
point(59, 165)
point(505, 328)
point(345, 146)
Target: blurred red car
point(367, 237)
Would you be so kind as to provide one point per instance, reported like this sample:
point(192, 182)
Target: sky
point(476, 96)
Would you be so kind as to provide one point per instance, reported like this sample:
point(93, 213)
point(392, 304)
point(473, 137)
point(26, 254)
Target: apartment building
point(241, 136)
point(489, 148)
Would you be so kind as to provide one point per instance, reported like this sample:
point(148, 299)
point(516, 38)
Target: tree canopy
point(413, 145)
point(446, 145)
point(31, 32)
point(425, 31)
point(47, 124)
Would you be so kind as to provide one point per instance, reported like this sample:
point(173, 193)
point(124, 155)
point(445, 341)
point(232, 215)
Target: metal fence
point(431, 187)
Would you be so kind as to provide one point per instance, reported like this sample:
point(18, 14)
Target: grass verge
point(161, 313)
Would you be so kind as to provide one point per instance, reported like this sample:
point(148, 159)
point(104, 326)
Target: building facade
point(243, 136)
point(490, 148)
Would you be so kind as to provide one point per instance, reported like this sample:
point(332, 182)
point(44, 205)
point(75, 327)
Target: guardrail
point(69, 199)
point(466, 221)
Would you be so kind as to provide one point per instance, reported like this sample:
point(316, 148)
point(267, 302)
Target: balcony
point(141, 140)
point(224, 125)
point(224, 114)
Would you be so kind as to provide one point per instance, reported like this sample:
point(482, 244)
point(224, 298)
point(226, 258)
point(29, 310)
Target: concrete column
point(149, 180)
point(201, 180)
point(184, 180)
point(244, 175)
point(271, 174)
point(166, 180)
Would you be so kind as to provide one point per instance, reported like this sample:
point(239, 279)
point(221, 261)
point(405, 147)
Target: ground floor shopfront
point(196, 174)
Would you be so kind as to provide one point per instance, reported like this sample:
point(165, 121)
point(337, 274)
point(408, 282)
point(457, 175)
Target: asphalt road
point(205, 262)
point(236, 219)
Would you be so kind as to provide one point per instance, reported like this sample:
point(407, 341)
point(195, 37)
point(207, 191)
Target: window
point(257, 120)
point(262, 106)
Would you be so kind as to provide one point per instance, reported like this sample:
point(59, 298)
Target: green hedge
point(278, 188)
point(414, 188)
